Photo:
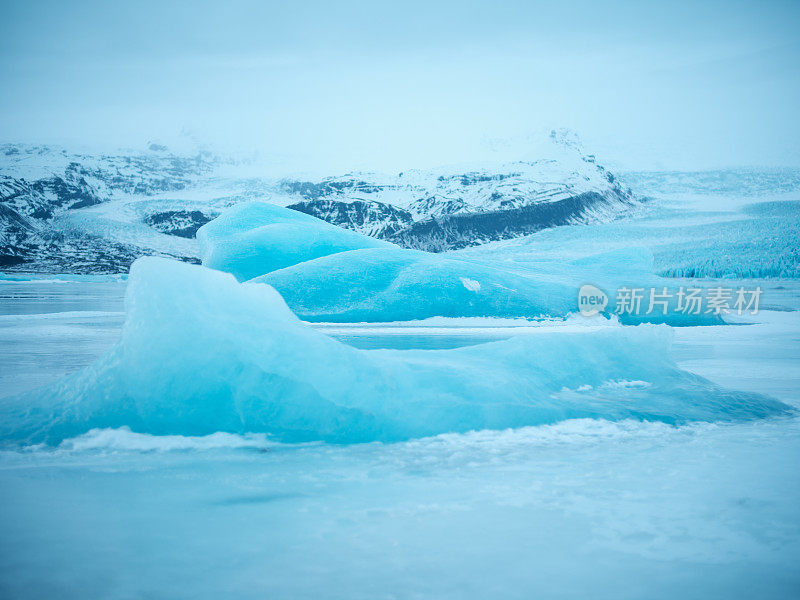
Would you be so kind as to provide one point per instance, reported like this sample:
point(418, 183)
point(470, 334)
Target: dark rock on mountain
point(454, 231)
point(367, 216)
point(182, 223)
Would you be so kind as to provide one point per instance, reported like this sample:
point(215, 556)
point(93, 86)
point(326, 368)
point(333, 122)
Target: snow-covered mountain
point(81, 212)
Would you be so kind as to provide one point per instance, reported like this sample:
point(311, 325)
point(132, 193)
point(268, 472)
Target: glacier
point(202, 353)
point(555, 183)
point(704, 234)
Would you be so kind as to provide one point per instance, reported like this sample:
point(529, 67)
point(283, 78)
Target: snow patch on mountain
point(63, 211)
point(465, 205)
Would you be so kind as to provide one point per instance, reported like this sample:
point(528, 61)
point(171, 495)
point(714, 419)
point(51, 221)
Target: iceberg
point(255, 238)
point(396, 284)
point(325, 273)
point(202, 353)
point(381, 285)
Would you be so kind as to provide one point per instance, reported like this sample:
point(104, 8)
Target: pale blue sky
point(395, 85)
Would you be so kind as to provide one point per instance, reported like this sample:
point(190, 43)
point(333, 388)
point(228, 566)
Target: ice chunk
point(125, 440)
point(395, 284)
point(255, 238)
point(398, 284)
point(330, 274)
point(471, 284)
point(202, 353)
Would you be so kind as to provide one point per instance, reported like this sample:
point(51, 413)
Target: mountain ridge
point(85, 213)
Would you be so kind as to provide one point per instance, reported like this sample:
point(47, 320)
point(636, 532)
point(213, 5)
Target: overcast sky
point(404, 84)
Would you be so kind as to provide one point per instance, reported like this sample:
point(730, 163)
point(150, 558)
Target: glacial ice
point(255, 238)
point(766, 243)
point(202, 353)
point(758, 240)
point(325, 273)
point(395, 284)
point(398, 284)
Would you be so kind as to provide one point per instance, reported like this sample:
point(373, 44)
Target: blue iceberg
point(255, 238)
point(326, 273)
point(201, 352)
point(394, 284)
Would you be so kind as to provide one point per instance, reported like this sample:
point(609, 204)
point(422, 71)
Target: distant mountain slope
point(453, 208)
point(62, 211)
point(49, 201)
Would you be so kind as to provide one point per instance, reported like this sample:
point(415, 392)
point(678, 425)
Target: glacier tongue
point(201, 352)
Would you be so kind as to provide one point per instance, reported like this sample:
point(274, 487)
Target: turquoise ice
point(255, 238)
point(326, 273)
point(201, 352)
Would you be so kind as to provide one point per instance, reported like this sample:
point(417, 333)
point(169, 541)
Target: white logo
point(591, 300)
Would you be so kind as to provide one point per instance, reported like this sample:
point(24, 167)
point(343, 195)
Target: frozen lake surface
point(583, 508)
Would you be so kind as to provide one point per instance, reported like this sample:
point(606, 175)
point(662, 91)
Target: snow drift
point(201, 353)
